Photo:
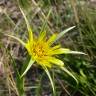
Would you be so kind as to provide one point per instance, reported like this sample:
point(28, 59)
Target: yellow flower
point(42, 51)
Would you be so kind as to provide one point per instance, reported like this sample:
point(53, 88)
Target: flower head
point(42, 51)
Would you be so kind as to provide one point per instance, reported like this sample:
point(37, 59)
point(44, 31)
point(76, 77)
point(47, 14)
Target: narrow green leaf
point(69, 73)
point(50, 78)
point(16, 39)
point(75, 52)
point(63, 32)
point(24, 3)
point(28, 67)
point(28, 25)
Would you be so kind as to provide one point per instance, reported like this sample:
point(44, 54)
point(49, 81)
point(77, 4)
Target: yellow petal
point(45, 63)
point(55, 47)
point(30, 35)
point(60, 51)
point(51, 39)
point(65, 51)
point(56, 61)
point(28, 46)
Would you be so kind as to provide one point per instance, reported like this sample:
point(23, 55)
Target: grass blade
point(63, 32)
point(69, 73)
point(27, 67)
point(50, 78)
point(16, 38)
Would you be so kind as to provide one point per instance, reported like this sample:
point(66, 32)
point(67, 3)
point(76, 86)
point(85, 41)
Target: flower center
point(39, 50)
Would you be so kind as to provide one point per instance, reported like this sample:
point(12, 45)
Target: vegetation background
point(64, 14)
